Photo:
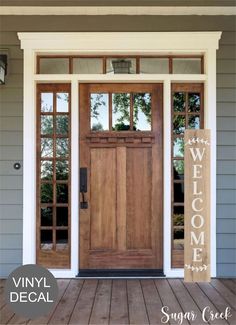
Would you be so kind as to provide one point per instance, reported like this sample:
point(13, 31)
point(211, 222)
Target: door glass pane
point(61, 239)
point(46, 147)
point(178, 124)
point(46, 102)
point(179, 192)
point(46, 170)
point(178, 228)
point(46, 193)
point(62, 147)
point(187, 65)
point(120, 65)
point(194, 122)
point(154, 65)
point(46, 216)
point(194, 102)
point(62, 193)
point(142, 118)
point(62, 216)
point(179, 102)
point(178, 169)
point(54, 65)
point(178, 147)
point(87, 65)
point(46, 124)
point(120, 112)
point(62, 123)
point(62, 102)
point(99, 107)
point(62, 170)
point(46, 239)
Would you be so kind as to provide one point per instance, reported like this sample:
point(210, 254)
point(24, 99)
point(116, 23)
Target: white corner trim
point(64, 43)
point(124, 10)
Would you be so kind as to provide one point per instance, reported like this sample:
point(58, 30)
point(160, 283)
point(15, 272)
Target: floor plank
point(186, 301)
point(152, 301)
point(119, 303)
point(5, 315)
point(66, 305)
point(2, 298)
point(83, 308)
point(202, 300)
point(168, 299)
point(17, 319)
point(62, 285)
point(224, 292)
point(217, 300)
point(231, 285)
point(136, 304)
point(102, 301)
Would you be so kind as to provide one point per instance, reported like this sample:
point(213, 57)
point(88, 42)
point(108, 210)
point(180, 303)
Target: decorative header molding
point(129, 42)
point(115, 10)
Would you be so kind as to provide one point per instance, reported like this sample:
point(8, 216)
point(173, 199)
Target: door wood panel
point(122, 226)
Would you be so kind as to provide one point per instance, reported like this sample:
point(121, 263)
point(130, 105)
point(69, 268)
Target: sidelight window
point(187, 112)
point(53, 161)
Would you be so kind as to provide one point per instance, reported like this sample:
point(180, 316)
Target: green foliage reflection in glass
point(142, 112)
point(99, 112)
point(120, 112)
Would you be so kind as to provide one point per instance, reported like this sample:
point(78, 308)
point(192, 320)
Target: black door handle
point(83, 187)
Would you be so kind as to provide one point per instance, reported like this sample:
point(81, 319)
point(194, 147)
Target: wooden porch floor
point(131, 302)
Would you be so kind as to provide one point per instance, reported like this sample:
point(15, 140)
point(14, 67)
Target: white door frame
point(141, 43)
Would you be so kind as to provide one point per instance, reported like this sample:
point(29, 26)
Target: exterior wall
point(11, 112)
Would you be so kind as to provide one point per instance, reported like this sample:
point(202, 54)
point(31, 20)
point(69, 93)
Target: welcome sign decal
point(197, 206)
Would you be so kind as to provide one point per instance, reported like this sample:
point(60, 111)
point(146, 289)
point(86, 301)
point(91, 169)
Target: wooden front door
point(121, 150)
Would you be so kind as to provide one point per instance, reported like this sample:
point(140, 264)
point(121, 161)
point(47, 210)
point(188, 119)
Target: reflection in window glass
point(62, 123)
point(62, 170)
point(46, 216)
point(46, 102)
point(194, 122)
point(178, 124)
point(178, 169)
point(62, 216)
point(178, 147)
point(194, 102)
point(187, 65)
point(62, 193)
point(179, 192)
point(62, 147)
point(46, 147)
point(46, 124)
point(154, 65)
point(179, 102)
point(178, 227)
point(63, 102)
point(120, 112)
point(46, 193)
point(54, 65)
point(61, 239)
point(99, 112)
point(123, 66)
point(142, 118)
point(87, 65)
point(46, 239)
point(46, 170)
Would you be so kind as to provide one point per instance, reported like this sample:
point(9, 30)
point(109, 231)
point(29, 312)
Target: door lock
point(83, 187)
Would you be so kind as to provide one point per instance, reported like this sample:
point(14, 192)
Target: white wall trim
point(140, 43)
point(115, 10)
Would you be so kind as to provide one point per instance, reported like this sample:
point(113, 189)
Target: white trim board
point(115, 10)
point(205, 43)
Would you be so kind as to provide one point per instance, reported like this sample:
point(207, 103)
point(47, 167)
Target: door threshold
point(121, 273)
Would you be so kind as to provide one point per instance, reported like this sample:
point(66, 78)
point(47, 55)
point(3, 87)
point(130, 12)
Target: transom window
point(120, 111)
point(172, 64)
